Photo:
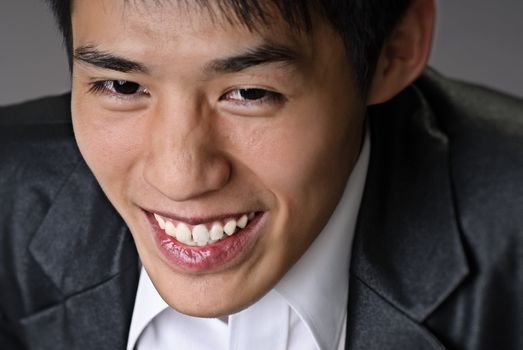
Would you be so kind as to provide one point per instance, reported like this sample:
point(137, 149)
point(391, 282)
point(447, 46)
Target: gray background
point(476, 40)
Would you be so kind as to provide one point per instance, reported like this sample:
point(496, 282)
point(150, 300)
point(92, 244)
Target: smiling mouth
point(204, 233)
point(206, 245)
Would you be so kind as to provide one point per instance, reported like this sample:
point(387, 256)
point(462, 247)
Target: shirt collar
point(321, 275)
point(147, 305)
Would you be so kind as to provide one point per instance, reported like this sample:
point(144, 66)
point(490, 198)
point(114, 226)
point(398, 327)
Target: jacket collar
point(97, 289)
point(407, 251)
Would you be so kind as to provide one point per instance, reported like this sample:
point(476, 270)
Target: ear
point(405, 53)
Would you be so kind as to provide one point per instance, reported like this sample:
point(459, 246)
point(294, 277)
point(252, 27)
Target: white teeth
point(183, 234)
point(160, 220)
point(230, 227)
point(216, 231)
point(242, 222)
point(200, 235)
point(170, 229)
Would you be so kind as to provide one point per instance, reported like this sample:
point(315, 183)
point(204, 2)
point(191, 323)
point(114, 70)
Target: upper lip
point(195, 220)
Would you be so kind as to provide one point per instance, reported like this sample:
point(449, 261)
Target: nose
point(184, 160)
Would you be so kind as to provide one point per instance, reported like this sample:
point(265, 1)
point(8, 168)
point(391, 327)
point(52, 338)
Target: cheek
point(110, 145)
point(299, 156)
point(304, 161)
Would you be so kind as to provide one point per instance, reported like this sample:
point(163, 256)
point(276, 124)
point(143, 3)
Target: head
point(193, 115)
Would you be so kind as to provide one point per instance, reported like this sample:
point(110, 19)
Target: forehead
point(149, 29)
point(253, 15)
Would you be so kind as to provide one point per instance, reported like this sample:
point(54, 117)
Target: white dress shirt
point(306, 310)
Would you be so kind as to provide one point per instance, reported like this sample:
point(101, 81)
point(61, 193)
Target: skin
point(185, 144)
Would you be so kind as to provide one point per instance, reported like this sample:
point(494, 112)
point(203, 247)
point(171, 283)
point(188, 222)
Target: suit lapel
point(373, 323)
point(85, 249)
point(407, 255)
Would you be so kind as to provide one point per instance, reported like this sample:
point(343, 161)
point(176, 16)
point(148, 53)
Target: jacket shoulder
point(37, 154)
point(466, 109)
point(42, 111)
point(37, 146)
point(484, 129)
point(35, 133)
point(37, 151)
point(485, 135)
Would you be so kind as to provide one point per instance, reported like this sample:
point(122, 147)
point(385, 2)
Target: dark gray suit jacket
point(438, 253)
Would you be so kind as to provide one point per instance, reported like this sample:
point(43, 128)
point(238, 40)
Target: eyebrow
point(263, 54)
point(92, 55)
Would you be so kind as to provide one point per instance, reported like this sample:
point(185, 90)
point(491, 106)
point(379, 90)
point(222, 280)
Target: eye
point(252, 95)
point(118, 87)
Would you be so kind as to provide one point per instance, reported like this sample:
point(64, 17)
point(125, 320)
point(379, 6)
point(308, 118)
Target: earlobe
point(405, 53)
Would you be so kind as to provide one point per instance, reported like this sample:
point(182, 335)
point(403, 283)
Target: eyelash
point(103, 87)
point(269, 97)
point(106, 87)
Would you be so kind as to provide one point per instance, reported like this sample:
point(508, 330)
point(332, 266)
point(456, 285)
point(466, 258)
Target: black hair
point(364, 25)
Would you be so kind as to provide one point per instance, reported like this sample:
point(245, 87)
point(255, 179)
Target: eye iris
point(125, 87)
point(252, 94)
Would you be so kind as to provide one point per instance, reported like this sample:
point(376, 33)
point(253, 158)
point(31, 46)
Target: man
point(238, 141)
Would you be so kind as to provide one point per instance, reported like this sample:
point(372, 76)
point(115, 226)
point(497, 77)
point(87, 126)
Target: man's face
point(203, 122)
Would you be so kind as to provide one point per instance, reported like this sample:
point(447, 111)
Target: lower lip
point(213, 257)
